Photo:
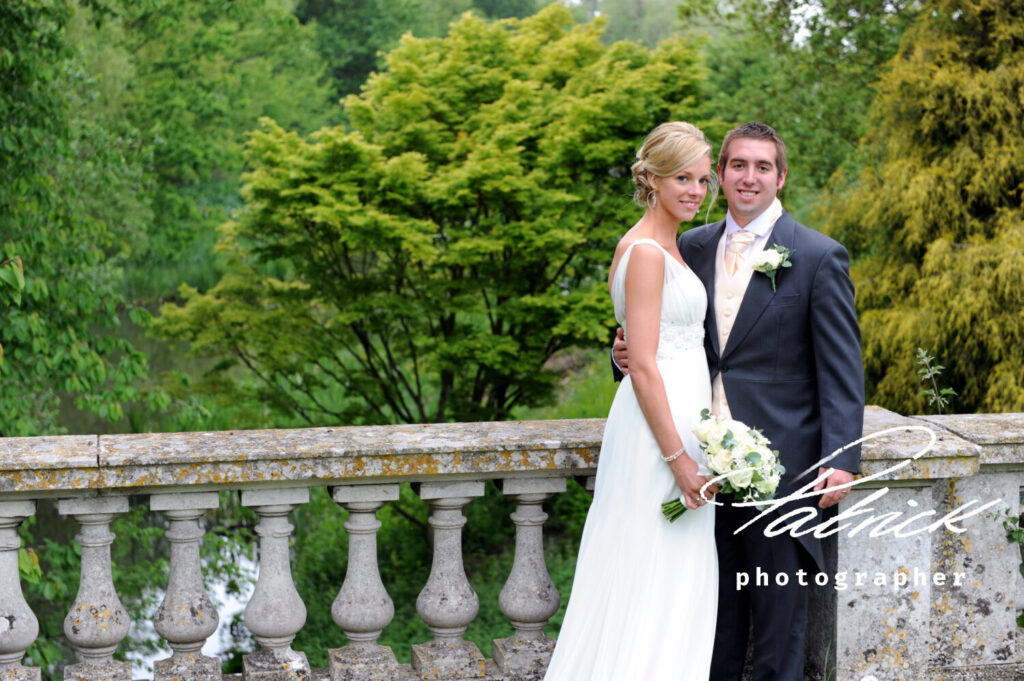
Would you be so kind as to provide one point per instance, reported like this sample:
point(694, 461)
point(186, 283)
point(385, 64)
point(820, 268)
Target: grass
point(586, 392)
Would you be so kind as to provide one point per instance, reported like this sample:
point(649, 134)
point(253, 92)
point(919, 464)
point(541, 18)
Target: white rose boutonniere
point(770, 261)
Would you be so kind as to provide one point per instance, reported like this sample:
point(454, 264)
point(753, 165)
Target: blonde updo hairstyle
point(668, 150)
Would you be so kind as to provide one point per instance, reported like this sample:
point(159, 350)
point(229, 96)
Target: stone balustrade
point(912, 627)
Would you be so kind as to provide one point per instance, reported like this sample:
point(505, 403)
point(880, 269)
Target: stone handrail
point(87, 465)
point(916, 630)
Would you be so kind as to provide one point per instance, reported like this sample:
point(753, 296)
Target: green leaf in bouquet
point(753, 458)
point(728, 440)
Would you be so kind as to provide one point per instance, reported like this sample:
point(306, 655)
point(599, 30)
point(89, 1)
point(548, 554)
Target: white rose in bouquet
point(719, 459)
point(741, 454)
point(742, 477)
point(702, 431)
point(767, 484)
point(716, 432)
point(745, 443)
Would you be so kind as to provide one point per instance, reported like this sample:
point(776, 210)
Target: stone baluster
point(275, 613)
point(448, 603)
point(363, 607)
point(18, 624)
point(529, 597)
point(187, 616)
point(98, 621)
point(587, 482)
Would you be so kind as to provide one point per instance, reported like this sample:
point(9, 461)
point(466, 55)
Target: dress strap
point(645, 240)
point(620, 268)
point(629, 249)
point(668, 256)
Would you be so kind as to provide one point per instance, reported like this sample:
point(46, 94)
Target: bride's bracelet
point(673, 457)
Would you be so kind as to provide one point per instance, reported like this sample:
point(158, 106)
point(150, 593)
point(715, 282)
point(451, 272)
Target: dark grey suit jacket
point(792, 366)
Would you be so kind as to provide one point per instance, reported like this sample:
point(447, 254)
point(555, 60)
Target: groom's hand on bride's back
point(619, 354)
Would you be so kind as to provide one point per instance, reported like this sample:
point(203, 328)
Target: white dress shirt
point(761, 226)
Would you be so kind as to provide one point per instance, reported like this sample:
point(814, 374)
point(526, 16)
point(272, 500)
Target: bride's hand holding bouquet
point(741, 459)
point(690, 481)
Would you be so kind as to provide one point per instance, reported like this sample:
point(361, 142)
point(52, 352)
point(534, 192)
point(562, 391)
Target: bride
point(644, 597)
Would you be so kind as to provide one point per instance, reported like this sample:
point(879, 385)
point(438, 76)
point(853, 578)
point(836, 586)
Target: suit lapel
point(759, 291)
point(702, 262)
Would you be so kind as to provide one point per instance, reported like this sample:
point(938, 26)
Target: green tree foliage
point(55, 336)
point(645, 21)
point(103, 180)
point(199, 76)
point(437, 16)
point(934, 218)
point(31, 112)
point(121, 148)
point(806, 67)
point(12, 282)
point(353, 35)
point(424, 266)
point(503, 9)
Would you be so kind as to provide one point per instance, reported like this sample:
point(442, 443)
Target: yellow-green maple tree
point(425, 265)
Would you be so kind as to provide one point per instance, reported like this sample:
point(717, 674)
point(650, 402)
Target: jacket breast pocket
point(786, 301)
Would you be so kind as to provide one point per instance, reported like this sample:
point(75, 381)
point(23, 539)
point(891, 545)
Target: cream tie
point(734, 253)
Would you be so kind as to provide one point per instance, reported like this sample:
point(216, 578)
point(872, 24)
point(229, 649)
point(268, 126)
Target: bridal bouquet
point(739, 452)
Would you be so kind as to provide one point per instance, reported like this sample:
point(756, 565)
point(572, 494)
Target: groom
point(787, 362)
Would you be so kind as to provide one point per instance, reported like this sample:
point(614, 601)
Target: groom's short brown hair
point(757, 131)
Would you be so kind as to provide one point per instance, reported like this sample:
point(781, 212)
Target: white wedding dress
point(645, 593)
